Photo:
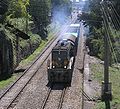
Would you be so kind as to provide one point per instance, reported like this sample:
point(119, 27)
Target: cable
point(4, 3)
point(109, 16)
point(115, 10)
point(109, 39)
point(117, 22)
point(113, 16)
point(107, 31)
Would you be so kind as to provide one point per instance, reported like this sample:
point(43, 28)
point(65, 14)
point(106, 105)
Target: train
point(60, 66)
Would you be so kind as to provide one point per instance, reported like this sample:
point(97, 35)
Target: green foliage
point(6, 82)
point(3, 6)
point(96, 43)
point(97, 72)
point(42, 45)
point(3, 9)
point(93, 19)
point(34, 39)
point(17, 8)
point(40, 10)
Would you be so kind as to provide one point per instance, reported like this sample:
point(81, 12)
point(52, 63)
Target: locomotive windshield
point(58, 58)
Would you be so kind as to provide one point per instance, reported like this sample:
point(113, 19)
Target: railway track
point(17, 87)
point(7, 98)
point(61, 99)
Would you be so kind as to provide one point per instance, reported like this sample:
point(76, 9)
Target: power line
point(111, 31)
point(109, 39)
point(4, 3)
point(114, 9)
point(114, 16)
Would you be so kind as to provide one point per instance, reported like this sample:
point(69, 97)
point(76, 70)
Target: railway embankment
point(93, 77)
point(97, 69)
point(91, 88)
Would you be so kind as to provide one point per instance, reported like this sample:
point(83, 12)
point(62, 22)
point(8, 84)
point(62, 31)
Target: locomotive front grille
point(59, 75)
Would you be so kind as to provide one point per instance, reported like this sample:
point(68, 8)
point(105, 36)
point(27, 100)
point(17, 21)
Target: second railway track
point(13, 92)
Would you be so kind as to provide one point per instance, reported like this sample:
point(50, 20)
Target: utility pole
point(106, 85)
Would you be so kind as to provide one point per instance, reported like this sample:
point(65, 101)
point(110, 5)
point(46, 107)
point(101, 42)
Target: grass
point(98, 74)
point(30, 58)
point(42, 45)
point(6, 82)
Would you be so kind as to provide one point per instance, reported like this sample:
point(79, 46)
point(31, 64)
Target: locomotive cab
point(60, 59)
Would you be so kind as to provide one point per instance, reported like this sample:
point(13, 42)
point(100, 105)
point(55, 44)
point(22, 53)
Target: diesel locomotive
point(60, 66)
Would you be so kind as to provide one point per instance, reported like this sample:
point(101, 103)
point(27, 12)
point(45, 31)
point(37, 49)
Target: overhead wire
point(114, 9)
point(108, 17)
point(114, 17)
point(109, 39)
point(108, 31)
point(4, 3)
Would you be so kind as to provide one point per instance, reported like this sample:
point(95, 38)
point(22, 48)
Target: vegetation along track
point(17, 87)
point(50, 90)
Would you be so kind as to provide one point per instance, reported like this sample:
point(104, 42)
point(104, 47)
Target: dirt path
point(91, 87)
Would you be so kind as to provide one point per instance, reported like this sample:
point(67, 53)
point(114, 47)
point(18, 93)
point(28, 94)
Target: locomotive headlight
point(65, 67)
point(53, 66)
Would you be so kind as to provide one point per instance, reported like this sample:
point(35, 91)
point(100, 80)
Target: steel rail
point(46, 97)
point(62, 97)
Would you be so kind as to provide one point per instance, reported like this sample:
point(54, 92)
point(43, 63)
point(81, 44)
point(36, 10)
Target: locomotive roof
point(65, 46)
point(67, 35)
point(72, 34)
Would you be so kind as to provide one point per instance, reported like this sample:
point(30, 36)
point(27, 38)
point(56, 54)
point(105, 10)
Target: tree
point(94, 17)
point(94, 20)
point(40, 9)
point(17, 8)
point(3, 9)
